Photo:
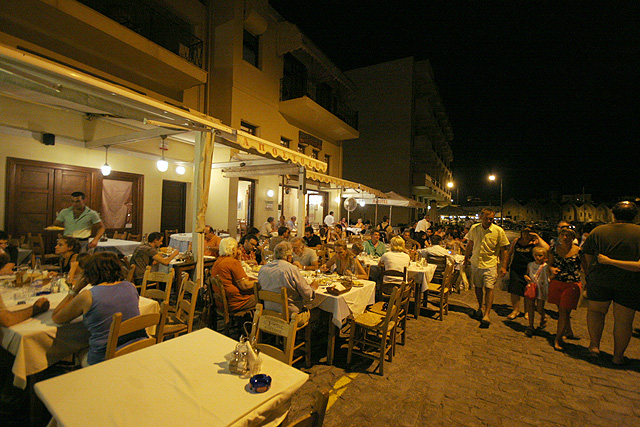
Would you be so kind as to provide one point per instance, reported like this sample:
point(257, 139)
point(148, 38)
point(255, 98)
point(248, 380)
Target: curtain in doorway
point(116, 203)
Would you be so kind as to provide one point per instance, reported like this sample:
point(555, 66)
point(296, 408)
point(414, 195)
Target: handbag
point(531, 291)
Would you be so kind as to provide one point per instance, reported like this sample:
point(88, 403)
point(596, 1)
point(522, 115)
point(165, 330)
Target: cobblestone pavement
point(453, 373)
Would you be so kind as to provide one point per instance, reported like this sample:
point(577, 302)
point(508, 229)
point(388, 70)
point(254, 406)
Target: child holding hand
point(537, 289)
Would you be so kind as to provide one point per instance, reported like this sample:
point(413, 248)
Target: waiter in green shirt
point(79, 222)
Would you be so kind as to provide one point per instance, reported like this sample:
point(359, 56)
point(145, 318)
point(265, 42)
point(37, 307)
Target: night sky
point(542, 93)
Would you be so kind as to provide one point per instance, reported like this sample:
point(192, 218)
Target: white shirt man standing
point(423, 224)
point(329, 219)
point(487, 251)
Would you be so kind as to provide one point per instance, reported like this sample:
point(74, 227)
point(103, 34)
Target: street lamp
point(493, 178)
point(450, 184)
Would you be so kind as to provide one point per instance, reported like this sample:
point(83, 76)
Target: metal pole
point(501, 213)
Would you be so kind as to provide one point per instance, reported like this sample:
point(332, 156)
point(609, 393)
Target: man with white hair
point(237, 285)
point(303, 257)
point(281, 273)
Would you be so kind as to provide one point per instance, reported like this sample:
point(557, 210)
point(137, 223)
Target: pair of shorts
point(484, 277)
point(564, 294)
point(627, 296)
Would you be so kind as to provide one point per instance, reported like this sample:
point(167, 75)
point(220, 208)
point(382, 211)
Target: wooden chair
point(386, 294)
point(282, 299)
point(182, 320)
point(441, 264)
point(121, 236)
point(441, 291)
point(275, 326)
point(219, 296)
point(130, 271)
point(120, 328)
point(167, 235)
point(316, 417)
point(155, 279)
point(373, 335)
point(405, 290)
point(134, 237)
point(49, 262)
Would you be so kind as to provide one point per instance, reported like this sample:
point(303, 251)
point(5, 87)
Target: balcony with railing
point(315, 105)
point(131, 43)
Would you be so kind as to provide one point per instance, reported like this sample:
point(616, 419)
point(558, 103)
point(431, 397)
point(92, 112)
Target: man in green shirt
point(79, 221)
point(374, 247)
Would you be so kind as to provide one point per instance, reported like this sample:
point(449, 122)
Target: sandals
point(513, 315)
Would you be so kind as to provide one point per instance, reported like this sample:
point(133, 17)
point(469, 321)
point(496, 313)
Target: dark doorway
point(174, 202)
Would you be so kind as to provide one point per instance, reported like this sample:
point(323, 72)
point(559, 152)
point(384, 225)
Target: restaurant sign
point(311, 140)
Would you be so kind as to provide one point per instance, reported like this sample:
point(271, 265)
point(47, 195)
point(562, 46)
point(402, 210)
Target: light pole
point(493, 178)
point(451, 184)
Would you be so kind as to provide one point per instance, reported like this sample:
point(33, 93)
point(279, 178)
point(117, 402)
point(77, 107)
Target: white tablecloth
point(421, 275)
point(39, 342)
point(118, 246)
point(350, 303)
point(184, 381)
point(181, 241)
point(354, 230)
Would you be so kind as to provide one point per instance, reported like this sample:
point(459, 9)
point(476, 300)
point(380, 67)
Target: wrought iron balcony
point(145, 20)
point(299, 85)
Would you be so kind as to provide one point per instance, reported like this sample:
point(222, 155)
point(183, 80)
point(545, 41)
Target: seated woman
point(68, 248)
point(395, 259)
point(110, 294)
point(337, 233)
point(346, 263)
point(359, 224)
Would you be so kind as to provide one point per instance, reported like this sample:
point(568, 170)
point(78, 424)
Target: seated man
point(283, 236)
point(438, 250)
point(211, 241)
point(280, 272)
point(147, 254)
point(268, 227)
point(303, 257)
point(374, 247)
point(237, 285)
point(409, 243)
point(291, 224)
point(13, 317)
point(8, 252)
point(247, 250)
point(310, 239)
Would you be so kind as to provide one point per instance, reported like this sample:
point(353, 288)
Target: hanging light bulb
point(361, 203)
point(180, 170)
point(162, 164)
point(106, 169)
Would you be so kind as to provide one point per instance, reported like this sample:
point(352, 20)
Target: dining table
point(181, 241)
point(39, 342)
point(117, 246)
point(342, 307)
point(182, 381)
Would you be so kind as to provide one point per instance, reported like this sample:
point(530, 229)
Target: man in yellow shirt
point(487, 250)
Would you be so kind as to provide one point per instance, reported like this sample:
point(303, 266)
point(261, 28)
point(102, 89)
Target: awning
point(55, 84)
point(394, 199)
point(362, 189)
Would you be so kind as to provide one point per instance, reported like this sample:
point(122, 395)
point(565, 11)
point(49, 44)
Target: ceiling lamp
point(180, 170)
point(106, 169)
point(162, 164)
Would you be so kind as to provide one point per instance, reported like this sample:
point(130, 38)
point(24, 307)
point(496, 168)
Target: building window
point(246, 127)
point(285, 142)
point(327, 160)
point(251, 48)
point(315, 154)
point(301, 148)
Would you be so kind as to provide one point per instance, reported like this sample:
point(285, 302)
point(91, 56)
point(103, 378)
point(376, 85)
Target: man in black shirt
point(310, 239)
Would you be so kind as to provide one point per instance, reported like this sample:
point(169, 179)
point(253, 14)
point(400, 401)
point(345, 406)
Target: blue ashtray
point(260, 383)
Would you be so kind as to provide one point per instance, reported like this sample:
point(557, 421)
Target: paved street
point(453, 373)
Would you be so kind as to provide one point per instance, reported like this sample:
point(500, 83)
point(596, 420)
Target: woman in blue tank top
point(110, 294)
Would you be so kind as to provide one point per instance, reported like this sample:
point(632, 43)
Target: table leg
point(331, 344)
point(417, 296)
